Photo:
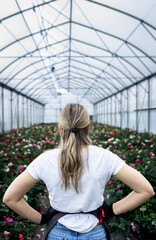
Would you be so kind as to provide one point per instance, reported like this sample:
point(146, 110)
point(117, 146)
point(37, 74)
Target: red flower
point(31, 158)
point(111, 181)
point(21, 237)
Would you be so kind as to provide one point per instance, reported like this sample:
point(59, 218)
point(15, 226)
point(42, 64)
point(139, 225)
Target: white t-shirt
point(102, 164)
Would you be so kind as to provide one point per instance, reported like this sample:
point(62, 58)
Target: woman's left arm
point(13, 197)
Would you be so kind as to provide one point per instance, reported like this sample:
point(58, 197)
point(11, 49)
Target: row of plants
point(21, 146)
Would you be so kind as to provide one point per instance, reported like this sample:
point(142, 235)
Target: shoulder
point(98, 150)
point(51, 152)
point(46, 156)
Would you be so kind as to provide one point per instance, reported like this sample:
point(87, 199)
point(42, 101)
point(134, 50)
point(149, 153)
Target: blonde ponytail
point(74, 127)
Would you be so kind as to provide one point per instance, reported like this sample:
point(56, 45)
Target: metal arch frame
point(67, 81)
point(35, 33)
point(27, 9)
point(56, 63)
point(35, 89)
point(122, 12)
point(29, 72)
point(55, 55)
point(116, 37)
point(25, 55)
point(97, 59)
point(83, 71)
point(84, 75)
point(96, 68)
point(32, 79)
point(97, 3)
point(127, 42)
point(43, 75)
point(41, 89)
point(129, 86)
point(70, 22)
point(94, 46)
point(83, 42)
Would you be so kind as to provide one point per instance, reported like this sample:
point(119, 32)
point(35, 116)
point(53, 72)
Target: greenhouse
point(100, 54)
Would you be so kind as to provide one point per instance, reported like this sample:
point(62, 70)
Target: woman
point(75, 175)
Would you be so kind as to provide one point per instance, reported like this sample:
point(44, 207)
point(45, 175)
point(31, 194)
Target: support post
point(2, 110)
point(148, 105)
point(11, 112)
point(127, 108)
point(121, 109)
point(137, 123)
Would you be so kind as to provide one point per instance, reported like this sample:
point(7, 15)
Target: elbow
point(150, 193)
point(5, 200)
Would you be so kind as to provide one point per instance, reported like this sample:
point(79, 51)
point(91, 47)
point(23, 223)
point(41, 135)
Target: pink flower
point(111, 181)
point(6, 233)
point(20, 167)
point(133, 227)
point(38, 236)
point(21, 237)
point(132, 165)
point(129, 144)
point(10, 164)
point(8, 221)
point(0, 185)
point(136, 149)
point(152, 154)
point(138, 160)
point(118, 187)
point(124, 157)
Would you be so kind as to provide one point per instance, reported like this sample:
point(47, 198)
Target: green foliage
point(19, 147)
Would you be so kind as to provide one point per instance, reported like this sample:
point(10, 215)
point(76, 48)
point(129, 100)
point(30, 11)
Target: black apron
point(57, 215)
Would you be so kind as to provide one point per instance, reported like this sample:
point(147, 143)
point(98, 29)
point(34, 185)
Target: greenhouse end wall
point(17, 110)
point(133, 108)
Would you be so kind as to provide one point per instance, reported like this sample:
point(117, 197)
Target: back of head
point(74, 128)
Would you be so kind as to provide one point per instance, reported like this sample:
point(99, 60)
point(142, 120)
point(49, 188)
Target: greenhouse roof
point(89, 48)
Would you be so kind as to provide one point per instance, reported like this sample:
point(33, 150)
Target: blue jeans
point(60, 232)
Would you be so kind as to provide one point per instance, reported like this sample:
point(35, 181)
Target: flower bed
point(19, 147)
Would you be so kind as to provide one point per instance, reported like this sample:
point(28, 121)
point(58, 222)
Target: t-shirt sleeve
point(115, 163)
point(35, 168)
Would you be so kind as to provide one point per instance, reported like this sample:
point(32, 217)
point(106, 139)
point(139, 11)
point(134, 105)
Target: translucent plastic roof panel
point(92, 49)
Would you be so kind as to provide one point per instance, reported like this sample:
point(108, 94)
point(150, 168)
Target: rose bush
point(21, 146)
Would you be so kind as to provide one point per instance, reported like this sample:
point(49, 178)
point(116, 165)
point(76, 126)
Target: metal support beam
point(121, 109)
point(149, 105)
point(134, 84)
point(23, 109)
point(22, 94)
point(17, 110)
point(127, 108)
point(137, 123)
point(2, 110)
point(11, 110)
point(70, 34)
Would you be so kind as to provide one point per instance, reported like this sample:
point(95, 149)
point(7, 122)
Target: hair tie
point(73, 130)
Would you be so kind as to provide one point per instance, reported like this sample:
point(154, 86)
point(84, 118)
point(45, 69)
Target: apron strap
point(58, 215)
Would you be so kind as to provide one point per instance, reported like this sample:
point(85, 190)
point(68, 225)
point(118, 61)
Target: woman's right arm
point(142, 190)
